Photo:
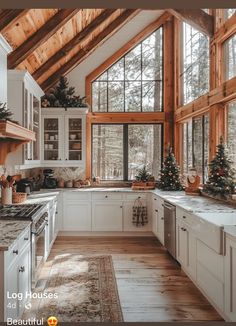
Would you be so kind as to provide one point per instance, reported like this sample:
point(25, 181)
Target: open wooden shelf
point(12, 136)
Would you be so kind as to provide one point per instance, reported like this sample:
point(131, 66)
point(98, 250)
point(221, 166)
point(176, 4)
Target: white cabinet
point(63, 136)
point(230, 278)
point(158, 218)
point(107, 216)
point(77, 216)
point(24, 96)
point(15, 277)
point(5, 49)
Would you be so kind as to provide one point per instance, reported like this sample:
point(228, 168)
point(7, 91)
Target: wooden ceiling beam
point(10, 16)
point(197, 18)
point(40, 36)
point(81, 36)
point(89, 48)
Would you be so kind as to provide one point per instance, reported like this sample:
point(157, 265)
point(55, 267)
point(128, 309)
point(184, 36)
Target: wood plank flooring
point(152, 287)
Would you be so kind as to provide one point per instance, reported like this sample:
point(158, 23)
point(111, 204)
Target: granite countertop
point(10, 231)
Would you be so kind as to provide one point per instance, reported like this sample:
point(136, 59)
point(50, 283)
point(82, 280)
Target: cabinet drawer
point(77, 195)
point(184, 216)
point(24, 239)
point(135, 196)
point(107, 196)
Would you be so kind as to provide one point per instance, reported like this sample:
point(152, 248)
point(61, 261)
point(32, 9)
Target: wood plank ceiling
point(51, 42)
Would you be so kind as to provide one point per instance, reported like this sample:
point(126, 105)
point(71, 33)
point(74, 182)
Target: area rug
point(86, 289)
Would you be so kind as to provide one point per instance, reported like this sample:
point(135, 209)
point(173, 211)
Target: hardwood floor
point(152, 287)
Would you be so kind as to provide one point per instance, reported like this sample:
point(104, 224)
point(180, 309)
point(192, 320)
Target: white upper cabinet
point(24, 97)
point(63, 136)
point(4, 50)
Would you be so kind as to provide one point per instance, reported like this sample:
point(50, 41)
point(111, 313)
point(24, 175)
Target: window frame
point(126, 146)
point(182, 71)
point(203, 176)
point(161, 81)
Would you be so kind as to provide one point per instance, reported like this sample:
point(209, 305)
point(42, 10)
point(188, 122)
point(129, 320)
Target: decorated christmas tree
point(169, 175)
point(62, 96)
point(221, 175)
point(5, 114)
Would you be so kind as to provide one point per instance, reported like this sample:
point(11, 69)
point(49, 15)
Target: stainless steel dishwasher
point(170, 228)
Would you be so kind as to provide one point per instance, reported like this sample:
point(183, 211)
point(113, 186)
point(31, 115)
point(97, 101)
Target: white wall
point(77, 76)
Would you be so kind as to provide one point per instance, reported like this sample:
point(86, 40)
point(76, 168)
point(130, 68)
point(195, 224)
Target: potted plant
point(143, 180)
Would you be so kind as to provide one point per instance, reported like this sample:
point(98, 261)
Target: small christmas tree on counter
point(63, 96)
point(221, 176)
point(5, 114)
point(143, 175)
point(169, 175)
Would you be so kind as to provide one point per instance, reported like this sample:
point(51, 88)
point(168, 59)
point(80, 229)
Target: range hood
point(12, 136)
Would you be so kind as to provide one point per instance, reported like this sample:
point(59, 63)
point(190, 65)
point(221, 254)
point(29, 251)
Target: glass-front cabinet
point(63, 141)
point(24, 98)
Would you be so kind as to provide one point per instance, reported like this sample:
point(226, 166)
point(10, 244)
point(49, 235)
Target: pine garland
point(169, 175)
point(5, 114)
point(63, 96)
point(221, 176)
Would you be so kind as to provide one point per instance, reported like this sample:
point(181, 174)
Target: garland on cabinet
point(63, 96)
point(221, 175)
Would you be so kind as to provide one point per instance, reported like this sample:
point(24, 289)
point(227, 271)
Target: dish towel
point(140, 217)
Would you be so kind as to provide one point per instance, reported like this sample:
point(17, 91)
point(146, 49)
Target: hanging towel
point(139, 217)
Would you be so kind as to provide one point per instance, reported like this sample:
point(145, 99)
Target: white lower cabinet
point(230, 279)
point(77, 216)
point(107, 216)
point(158, 218)
point(210, 274)
point(15, 277)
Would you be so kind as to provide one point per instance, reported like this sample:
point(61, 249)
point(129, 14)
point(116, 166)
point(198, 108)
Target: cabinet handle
point(183, 229)
point(15, 252)
point(22, 269)
point(26, 239)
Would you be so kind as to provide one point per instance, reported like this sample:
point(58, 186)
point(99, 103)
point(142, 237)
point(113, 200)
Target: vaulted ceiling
point(51, 42)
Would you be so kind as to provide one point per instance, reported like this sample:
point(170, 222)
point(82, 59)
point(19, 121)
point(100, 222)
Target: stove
point(18, 212)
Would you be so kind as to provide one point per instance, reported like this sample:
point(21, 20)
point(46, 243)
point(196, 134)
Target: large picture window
point(230, 57)
point(134, 83)
point(232, 132)
point(196, 146)
point(119, 150)
point(194, 64)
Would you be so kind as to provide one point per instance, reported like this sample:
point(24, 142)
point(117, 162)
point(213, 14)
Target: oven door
point(38, 250)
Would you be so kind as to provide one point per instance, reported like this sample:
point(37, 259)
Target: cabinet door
point(77, 216)
point(24, 274)
point(182, 244)
point(28, 123)
point(73, 139)
point(12, 309)
point(154, 215)
point(128, 218)
point(36, 128)
point(107, 216)
point(230, 279)
point(53, 141)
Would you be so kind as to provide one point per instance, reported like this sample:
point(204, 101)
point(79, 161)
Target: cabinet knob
point(66, 159)
point(106, 196)
point(155, 199)
point(156, 210)
point(26, 239)
point(162, 218)
point(22, 269)
point(121, 206)
point(184, 216)
point(183, 229)
point(139, 197)
point(15, 252)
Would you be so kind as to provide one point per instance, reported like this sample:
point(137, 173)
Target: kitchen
point(117, 174)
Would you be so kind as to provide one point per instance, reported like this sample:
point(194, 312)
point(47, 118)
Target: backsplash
point(66, 173)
